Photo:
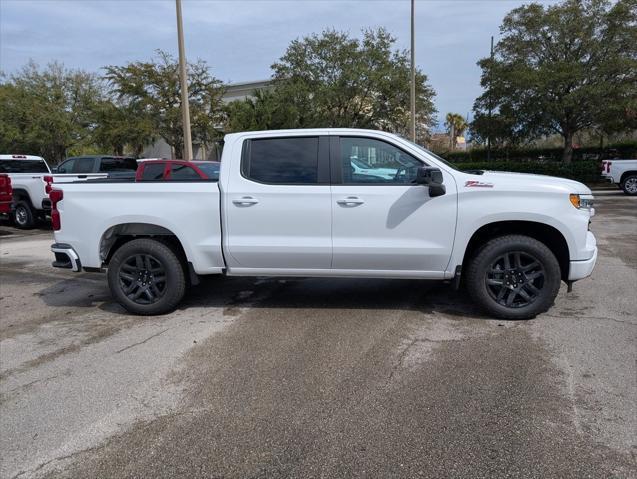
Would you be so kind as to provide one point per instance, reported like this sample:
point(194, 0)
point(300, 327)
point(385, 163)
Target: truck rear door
point(278, 211)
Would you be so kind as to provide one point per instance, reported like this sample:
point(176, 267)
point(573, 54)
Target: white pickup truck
point(32, 178)
point(623, 173)
point(289, 203)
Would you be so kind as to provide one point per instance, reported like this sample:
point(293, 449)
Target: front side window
point(66, 167)
point(282, 160)
point(365, 160)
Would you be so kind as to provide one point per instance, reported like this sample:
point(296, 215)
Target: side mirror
point(54, 170)
point(431, 177)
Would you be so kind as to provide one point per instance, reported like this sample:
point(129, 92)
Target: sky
point(240, 39)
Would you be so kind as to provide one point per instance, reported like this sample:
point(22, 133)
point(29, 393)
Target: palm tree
point(455, 125)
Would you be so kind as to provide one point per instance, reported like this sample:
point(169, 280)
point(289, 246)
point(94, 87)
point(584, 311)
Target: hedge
point(586, 171)
point(617, 150)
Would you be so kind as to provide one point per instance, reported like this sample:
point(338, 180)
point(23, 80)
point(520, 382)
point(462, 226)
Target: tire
point(134, 274)
point(23, 215)
point(531, 276)
point(629, 185)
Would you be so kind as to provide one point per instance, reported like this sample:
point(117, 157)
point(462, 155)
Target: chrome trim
point(71, 254)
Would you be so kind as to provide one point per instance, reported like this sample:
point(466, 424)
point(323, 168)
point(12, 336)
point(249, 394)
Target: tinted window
point(83, 165)
point(364, 160)
point(211, 169)
point(153, 171)
point(66, 167)
point(183, 172)
point(118, 164)
point(283, 160)
point(23, 166)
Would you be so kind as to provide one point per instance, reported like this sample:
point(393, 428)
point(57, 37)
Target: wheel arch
point(117, 235)
point(21, 194)
point(547, 234)
point(626, 174)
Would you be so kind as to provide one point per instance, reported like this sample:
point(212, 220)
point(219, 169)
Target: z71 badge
point(477, 184)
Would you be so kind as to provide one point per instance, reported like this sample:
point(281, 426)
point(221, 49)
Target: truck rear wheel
point(629, 185)
point(23, 215)
point(514, 277)
point(146, 277)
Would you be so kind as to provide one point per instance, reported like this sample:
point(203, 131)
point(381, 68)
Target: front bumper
point(583, 268)
point(65, 257)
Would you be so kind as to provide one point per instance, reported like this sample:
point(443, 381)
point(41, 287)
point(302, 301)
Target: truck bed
point(189, 210)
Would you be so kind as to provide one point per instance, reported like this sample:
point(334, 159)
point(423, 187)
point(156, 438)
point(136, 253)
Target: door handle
point(245, 201)
point(350, 201)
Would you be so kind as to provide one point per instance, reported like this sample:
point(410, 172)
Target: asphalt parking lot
point(317, 377)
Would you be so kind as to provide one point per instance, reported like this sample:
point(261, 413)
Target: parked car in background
point(623, 173)
point(286, 204)
point(30, 200)
point(111, 166)
point(177, 170)
point(6, 194)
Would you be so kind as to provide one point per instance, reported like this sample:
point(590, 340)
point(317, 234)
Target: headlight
point(582, 202)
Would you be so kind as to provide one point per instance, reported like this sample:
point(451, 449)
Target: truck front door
point(382, 221)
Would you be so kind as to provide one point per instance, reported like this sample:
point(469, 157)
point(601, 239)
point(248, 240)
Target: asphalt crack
point(142, 342)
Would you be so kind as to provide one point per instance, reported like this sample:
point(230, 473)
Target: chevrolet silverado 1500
point(623, 173)
point(292, 203)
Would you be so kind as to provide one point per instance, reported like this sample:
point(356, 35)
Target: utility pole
point(183, 79)
point(413, 73)
point(490, 111)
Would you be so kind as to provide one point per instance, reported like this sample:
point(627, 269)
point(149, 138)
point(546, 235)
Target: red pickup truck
point(6, 194)
point(177, 170)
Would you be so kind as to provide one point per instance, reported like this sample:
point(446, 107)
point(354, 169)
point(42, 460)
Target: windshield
point(450, 165)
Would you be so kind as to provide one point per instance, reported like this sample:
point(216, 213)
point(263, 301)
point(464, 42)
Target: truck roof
point(21, 157)
point(312, 131)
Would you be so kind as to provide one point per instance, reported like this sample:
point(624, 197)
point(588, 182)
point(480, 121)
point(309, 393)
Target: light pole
point(183, 79)
point(490, 110)
point(412, 96)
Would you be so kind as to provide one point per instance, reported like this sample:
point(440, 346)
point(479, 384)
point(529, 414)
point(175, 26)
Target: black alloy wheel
point(142, 278)
point(515, 279)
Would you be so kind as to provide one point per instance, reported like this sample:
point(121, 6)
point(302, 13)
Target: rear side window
point(282, 160)
point(183, 172)
point(23, 166)
point(83, 165)
point(153, 171)
point(118, 164)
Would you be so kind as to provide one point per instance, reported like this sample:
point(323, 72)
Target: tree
point(153, 88)
point(265, 110)
point(332, 80)
point(455, 125)
point(121, 126)
point(47, 111)
point(562, 68)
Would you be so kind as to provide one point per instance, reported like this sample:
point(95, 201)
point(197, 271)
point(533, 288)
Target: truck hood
point(531, 182)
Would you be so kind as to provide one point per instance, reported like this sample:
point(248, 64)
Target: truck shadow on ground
point(428, 297)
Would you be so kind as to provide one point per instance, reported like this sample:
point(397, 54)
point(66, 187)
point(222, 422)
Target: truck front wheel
point(146, 277)
point(514, 277)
